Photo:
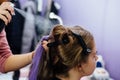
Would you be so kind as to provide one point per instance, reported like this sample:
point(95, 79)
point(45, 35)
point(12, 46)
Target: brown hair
point(65, 52)
point(1, 1)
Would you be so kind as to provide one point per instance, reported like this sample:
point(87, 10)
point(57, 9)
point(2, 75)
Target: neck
point(73, 75)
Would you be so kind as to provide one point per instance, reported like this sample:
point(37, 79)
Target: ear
point(79, 67)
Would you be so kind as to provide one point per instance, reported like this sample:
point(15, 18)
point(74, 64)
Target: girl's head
point(69, 51)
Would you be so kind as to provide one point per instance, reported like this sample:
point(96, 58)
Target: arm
point(9, 62)
point(15, 62)
point(5, 51)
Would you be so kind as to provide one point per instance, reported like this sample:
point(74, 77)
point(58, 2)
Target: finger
point(4, 19)
point(44, 44)
point(7, 6)
point(11, 9)
point(7, 15)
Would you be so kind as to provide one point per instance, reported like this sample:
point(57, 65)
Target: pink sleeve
point(5, 51)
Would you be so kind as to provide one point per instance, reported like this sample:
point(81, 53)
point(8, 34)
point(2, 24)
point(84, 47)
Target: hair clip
point(52, 44)
point(65, 39)
point(82, 43)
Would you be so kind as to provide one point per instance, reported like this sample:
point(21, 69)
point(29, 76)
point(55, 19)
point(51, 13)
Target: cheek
point(91, 66)
point(92, 62)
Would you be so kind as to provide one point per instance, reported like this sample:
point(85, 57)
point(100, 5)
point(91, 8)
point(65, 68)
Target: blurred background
point(101, 17)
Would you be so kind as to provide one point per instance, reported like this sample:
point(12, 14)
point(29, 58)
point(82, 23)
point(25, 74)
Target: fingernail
point(12, 5)
point(13, 13)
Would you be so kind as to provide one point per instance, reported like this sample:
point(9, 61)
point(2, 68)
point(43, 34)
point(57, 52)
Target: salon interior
point(100, 17)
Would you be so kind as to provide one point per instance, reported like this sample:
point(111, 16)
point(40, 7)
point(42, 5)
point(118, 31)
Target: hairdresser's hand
point(6, 10)
point(44, 44)
point(32, 54)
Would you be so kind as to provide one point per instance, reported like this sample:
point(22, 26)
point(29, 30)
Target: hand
point(33, 53)
point(44, 44)
point(6, 10)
